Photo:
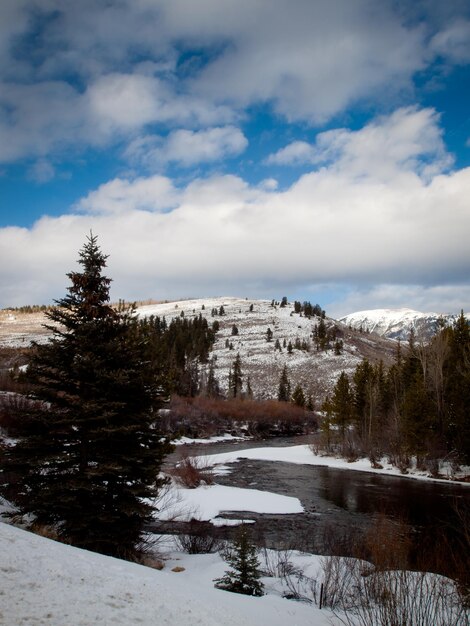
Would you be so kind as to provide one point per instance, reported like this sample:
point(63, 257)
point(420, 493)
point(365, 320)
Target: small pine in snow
point(244, 577)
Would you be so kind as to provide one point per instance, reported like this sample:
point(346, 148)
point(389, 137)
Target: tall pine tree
point(88, 458)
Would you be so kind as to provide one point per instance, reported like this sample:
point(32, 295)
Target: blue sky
point(311, 148)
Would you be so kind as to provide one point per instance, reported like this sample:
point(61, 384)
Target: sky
point(314, 149)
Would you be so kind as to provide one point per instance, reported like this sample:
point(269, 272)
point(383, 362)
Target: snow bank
point(45, 582)
point(207, 502)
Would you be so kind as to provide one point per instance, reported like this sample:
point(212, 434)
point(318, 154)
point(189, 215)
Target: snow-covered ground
point(207, 502)
point(48, 583)
point(43, 582)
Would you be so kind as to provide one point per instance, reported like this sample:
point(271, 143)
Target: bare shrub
point(202, 417)
point(198, 540)
point(387, 543)
point(12, 407)
point(191, 472)
point(298, 586)
point(383, 592)
point(391, 597)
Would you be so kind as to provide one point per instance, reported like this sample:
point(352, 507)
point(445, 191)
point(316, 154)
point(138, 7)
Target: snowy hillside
point(315, 370)
point(397, 323)
point(45, 582)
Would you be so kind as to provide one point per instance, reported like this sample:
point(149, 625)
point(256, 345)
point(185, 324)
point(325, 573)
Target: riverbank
point(303, 455)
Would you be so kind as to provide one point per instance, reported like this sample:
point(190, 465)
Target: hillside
point(45, 582)
point(315, 370)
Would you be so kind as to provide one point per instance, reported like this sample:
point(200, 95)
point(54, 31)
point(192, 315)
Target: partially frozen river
point(338, 502)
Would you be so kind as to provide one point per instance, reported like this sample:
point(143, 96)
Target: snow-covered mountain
point(397, 323)
point(316, 371)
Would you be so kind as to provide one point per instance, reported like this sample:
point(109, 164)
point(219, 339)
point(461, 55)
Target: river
point(340, 504)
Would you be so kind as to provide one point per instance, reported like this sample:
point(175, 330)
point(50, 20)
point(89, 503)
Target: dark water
point(342, 504)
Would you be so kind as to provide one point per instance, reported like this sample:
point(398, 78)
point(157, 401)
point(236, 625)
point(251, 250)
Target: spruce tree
point(298, 396)
point(341, 404)
point(244, 577)
point(236, 378)
point(283, 394)
point(89, 454)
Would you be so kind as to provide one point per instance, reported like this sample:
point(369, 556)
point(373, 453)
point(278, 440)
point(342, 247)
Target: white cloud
point(296, 152)
point(409, 140)
point(188, 147)
point(42, 171)
point(120, 196)
point(140, 62)
point(124, 101)
point(329, 227)
point(453, 42)
point(310, 59)
point(41, 119)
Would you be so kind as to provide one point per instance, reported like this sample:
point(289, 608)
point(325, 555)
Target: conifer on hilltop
point(88, 457)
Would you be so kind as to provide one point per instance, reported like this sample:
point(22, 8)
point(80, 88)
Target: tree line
point(418, 406)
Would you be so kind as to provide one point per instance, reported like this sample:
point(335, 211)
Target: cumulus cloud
point(188, 147)
point(101, 71)
point(409, 139)
point(121, 196)
point(315, 60)
point(453, 42)
point(329, 227)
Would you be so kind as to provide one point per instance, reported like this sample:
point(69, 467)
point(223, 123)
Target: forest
point(418, 406)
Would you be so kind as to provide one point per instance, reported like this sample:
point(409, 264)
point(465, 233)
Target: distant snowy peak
point(397, 323)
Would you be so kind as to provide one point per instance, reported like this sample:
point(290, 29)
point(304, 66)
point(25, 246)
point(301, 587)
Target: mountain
point(397, 323)
point(316, 370)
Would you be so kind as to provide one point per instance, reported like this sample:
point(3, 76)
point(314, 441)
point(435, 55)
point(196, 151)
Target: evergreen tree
point(341, 404)
point(338, 347)
point(457, 388)
point(234, 330)
point(244, 577)
point(212, 384)
point(236, 378)
point(310, 405)
point(283, 394)
point(249, 390)
point(298, 396)
point(89, 454)
point(269, 334)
